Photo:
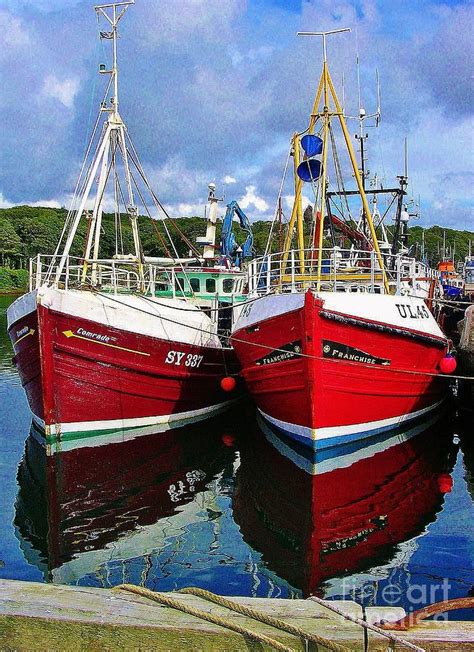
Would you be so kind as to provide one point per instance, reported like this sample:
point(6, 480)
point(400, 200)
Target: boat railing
point(340, 270)
point(125, 275)
point(107, 275)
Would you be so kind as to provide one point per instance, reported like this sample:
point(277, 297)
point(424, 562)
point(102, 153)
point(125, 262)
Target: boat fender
point(448, 364)
point(228, 383)
point(445, 483)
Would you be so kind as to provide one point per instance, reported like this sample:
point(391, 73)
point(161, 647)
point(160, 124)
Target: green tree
point(10, 243)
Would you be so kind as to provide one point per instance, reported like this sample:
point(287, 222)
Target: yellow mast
point(326, 88)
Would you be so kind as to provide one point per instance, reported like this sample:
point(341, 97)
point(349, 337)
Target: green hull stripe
point(85, 434)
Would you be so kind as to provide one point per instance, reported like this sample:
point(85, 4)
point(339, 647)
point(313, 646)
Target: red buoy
point(448, 364)
point(228, 440)
point(445, 483)
point(228, 383)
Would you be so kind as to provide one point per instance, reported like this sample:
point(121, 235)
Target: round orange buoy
point(228, 383)
point(448, 364)
point(445, 483)
point(228, 440)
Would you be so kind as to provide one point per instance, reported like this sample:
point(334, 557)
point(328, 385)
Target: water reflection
point(313, 522)
point(79, 511)
point(195, 506)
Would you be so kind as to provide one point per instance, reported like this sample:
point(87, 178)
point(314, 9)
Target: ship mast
point(326, 113)
point(111, 144)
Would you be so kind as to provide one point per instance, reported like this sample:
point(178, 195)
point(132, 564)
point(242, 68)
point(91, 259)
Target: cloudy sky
point(211, 90)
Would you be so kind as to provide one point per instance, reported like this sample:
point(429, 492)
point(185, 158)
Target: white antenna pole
point(324, 35)
point(406, 157)
point(358, 93)
point(379, 110)
point(114, 18)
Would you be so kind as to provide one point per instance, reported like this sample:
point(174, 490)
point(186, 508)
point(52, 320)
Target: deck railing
point(123, 275)
point(345, 270)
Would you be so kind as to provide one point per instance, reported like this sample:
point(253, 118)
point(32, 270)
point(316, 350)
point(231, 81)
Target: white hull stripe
point(342, 434)
point(316, 463)
point(66, 436)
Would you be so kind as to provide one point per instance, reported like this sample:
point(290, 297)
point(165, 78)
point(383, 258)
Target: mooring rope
point(264, 618)
point(168, 601)
point(280, 350)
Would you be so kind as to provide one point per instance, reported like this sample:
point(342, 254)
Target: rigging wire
point(81, 178)
point(275, 216)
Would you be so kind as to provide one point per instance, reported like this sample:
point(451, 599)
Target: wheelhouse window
point(210, 285)
point(227, 284)
point(195, 284)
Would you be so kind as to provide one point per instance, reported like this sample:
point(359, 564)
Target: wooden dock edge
point(35, 616)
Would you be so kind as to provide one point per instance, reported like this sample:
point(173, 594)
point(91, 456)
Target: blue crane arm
point(229, 245)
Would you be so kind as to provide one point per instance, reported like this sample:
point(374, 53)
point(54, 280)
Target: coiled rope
point(169, 601)
point(280, 350)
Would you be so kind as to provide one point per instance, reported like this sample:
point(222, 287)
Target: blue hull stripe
point(321, 450)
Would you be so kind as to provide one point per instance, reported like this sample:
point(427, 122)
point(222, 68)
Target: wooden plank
point(36, 616)
point(431, 635)
point(115, 619)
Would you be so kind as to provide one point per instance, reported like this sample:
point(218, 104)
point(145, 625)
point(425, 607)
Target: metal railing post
point(269, 263)
point(252, 276)
point(372, 270)
point(38, 272)
point(397, 267)
point(292, 258)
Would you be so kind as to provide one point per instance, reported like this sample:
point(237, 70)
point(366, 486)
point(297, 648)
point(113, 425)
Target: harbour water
point(224, 506)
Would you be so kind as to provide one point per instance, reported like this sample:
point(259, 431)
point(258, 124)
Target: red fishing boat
point(111, 348)
point(336, 348)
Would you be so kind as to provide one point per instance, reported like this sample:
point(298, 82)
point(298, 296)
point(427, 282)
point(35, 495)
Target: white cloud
point(305, 201)
point(228, 179)
point(4, 203)
point(252, 199)
point(14, 33)
point(44, 203)
point(64, 91)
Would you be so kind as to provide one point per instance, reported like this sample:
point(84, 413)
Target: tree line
point(26, 231)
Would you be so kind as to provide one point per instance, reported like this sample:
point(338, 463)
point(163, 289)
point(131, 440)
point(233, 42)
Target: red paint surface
point(68, 379)
point(320, 393)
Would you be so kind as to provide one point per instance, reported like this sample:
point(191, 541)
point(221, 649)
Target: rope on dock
point(168, 601)
point(393, 638)
point(264, 618)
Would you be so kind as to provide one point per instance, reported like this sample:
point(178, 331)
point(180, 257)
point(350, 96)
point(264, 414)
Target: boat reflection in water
point(178, 510)
point(317, 519)
point(94, 516)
